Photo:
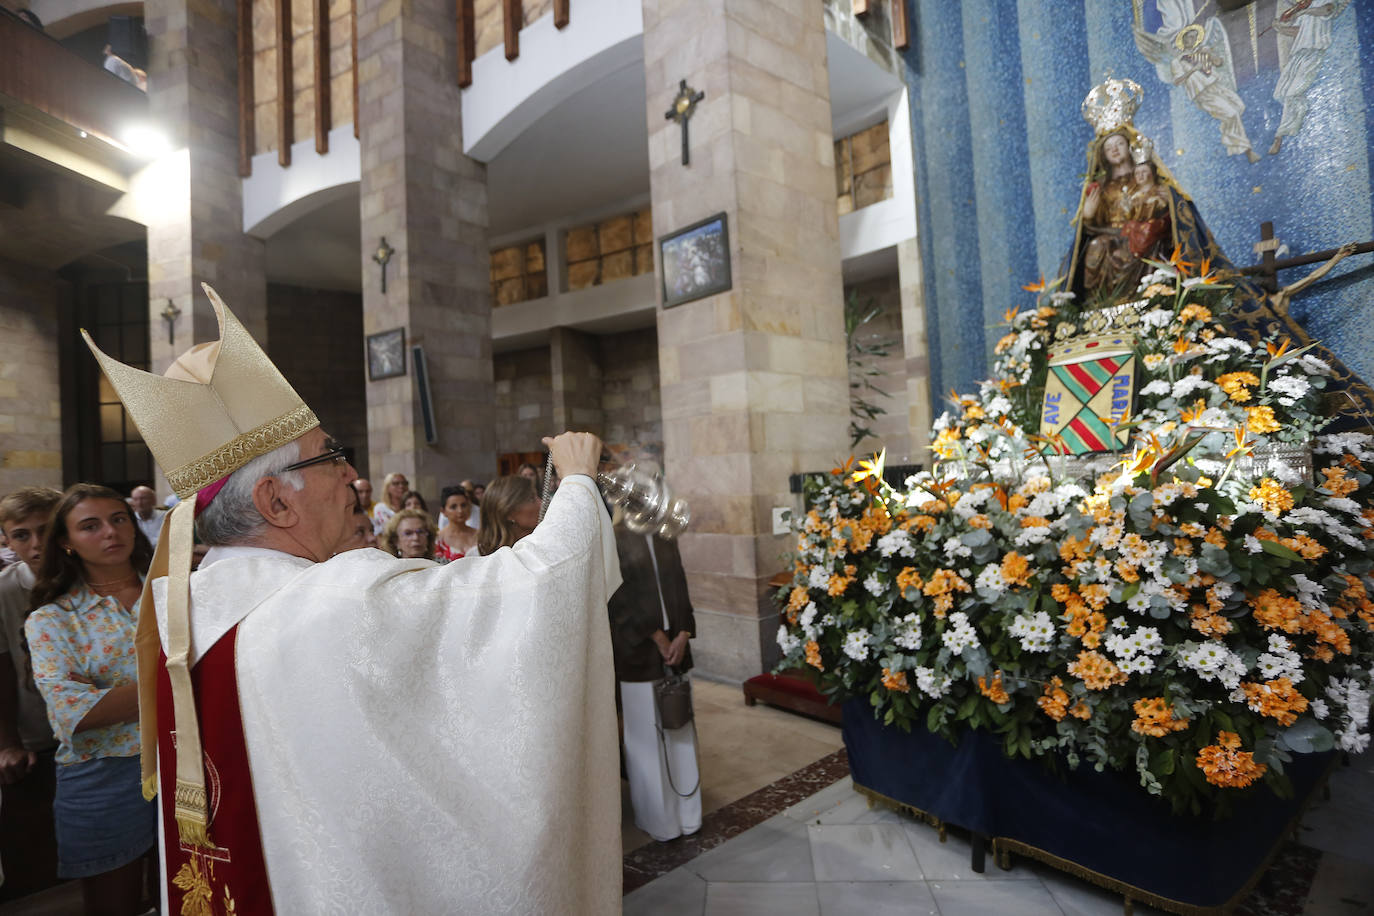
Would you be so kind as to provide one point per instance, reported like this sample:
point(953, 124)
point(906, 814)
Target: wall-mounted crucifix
point(683, 107)
point(170, 315)
point(382, 256)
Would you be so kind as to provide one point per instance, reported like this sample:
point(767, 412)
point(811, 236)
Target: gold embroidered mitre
point(219, 406)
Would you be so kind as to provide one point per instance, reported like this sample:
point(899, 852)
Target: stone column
point(576, 374)
point(191, 198)
point(916, 350)
point(30, 387)
point(430, 203)
point(754, 381)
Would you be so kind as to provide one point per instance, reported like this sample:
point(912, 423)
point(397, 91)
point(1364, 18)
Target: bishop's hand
point(574, 453)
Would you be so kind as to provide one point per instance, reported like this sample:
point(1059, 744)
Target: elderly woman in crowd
point(81, 644)
point(510, 510)
point(410, 535)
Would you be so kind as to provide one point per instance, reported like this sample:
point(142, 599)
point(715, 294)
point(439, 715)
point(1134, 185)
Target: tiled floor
point(832, 854)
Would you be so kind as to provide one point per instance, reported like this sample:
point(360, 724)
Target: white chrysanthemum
point(856, 645)
point(1289, 388)
point(959, 635)
point(896, 541)
point(1253, 544)
point(828, 621)
point(1157, 318)
point(1314, 366)
point(1158, 388)
point(991, 579)
point(875, 586)
point(1318, 708)
point(807, 620)
point(998, 407)
point(1361, 445)
point(819, 577)
point(955, 548)
point(930, 683)
point(1036, 632)
point(1190, 384)
point(788, 642)
point(1212, 661)
point(1138, 664)
point(907, 634)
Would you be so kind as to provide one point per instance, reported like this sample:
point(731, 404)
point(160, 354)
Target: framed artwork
point(386, 354)
point(696, 261)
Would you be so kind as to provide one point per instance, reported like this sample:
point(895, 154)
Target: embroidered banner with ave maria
point(1089, 388)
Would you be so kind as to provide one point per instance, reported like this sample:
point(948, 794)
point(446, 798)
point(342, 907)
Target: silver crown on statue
point(647, 501)
point(1112, 103)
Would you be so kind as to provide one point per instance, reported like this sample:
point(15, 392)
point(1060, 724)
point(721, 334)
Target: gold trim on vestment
point(223, 461)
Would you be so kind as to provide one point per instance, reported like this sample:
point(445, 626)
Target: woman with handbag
point(651, 624)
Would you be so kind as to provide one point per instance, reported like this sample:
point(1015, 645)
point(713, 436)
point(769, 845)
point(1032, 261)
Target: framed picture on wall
point(696, 261)
point(386, 354)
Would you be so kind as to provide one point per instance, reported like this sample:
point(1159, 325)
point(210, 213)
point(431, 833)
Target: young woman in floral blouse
point(81, 645)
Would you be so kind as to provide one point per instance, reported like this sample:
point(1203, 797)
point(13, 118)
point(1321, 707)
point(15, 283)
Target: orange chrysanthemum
point(1096, 670)
point(813, 655)
point(1055, 701)
point(1225, 765)
point(1260, 420)
point(895, 680)
point(1274, 611)
point(1154, 716)
point(1272, 496)
point(1237, 385)
point(1016, 569)
point(994, 691)
point(1277, 699)
point(909, 577)
point(1338, 483)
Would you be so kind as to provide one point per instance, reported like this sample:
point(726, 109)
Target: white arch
point(274, 197)
point(508, 96)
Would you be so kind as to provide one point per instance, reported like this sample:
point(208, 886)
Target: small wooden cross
point(683, 107)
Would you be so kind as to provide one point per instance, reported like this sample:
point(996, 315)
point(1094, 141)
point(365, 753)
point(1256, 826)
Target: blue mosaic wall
point(1000, 144)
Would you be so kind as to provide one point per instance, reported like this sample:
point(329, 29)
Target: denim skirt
point(101, 818)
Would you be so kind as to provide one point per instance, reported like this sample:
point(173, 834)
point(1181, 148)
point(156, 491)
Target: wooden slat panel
point(247, 127)
point(467, 42)
point(901, 26)
point(323, 115)
point(514, 14)
point(286, 95)
point(560, 14)
point(353, 30)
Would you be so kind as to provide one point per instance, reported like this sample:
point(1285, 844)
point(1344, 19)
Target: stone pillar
point(430, 203)
point(30, 395)
point(576, 374)
point(916, 350)
point(191, 198)
point(754, 381)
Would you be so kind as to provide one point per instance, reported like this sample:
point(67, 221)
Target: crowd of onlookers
point(469, 518)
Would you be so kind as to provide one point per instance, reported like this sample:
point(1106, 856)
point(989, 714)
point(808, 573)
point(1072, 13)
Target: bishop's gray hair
point(231, 518)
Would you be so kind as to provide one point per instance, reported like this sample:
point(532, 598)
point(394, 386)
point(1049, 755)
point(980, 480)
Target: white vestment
point(429, 739)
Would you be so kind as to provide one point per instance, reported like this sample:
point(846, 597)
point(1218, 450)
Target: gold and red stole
point(230, 877)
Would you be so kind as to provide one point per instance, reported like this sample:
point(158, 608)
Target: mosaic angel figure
point(1197, 58)
point(1304, 35)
